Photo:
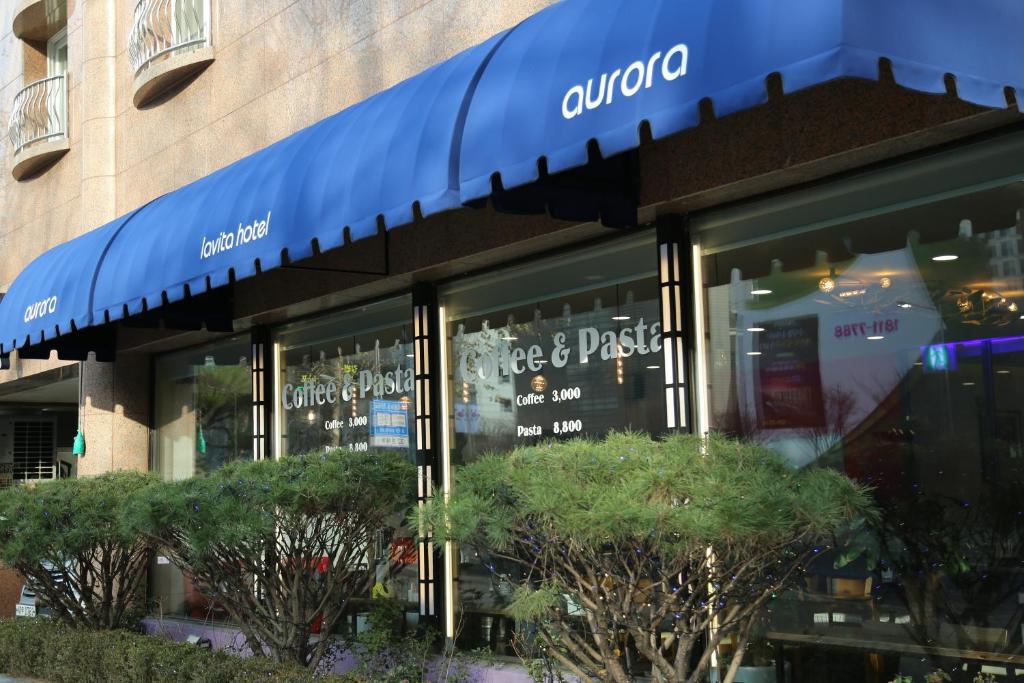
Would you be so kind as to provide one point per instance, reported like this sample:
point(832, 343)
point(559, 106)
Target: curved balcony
point(38, 127)
point(39, 19)
point(169, 41)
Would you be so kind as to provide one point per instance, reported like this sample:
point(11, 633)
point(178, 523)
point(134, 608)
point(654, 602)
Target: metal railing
point(39, 112)
point(35, 472)
point(163, 27)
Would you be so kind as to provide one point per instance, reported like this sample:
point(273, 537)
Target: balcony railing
point(39, 112)
point(162, 28)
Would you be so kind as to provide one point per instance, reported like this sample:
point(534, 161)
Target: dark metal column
point(426, 349)
point(262, 393)
point(674, 283)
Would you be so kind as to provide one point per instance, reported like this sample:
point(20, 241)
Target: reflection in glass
point(548, 351)
point(346, 381)
point(891, 348)
point(203, 419)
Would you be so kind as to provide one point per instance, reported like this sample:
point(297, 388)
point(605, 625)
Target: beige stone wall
point(281, 65)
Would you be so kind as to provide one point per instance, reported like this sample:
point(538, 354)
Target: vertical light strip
point(277, 415)
point(425, 451)
point(257, 359)
point(700, 361)
point(671, 282)
point(446, 471)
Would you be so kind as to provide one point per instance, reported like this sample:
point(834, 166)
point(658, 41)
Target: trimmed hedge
point(49, 650)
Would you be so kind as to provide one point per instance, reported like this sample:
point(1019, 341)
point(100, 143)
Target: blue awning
point(373, 164)
point(538, 95)
point(367, 165)
point(585, 70)
point(52, 296)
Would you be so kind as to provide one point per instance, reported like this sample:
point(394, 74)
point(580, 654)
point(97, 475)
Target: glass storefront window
point(567, 347)
point(203, 419)
point(891, 348)
point(346, 381)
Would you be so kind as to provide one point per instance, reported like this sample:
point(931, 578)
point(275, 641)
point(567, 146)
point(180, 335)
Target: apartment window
point(38, 127)
point(57, 54)
point(35, 449)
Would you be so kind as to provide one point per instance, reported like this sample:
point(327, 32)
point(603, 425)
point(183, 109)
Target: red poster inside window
point(403, 551)
point(789, 375)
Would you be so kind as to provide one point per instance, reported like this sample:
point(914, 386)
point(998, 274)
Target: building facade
point(827, 263)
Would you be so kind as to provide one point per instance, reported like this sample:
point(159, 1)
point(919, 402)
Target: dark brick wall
point(10, 591)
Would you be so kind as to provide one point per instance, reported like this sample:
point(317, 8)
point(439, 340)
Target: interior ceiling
point(63, 391)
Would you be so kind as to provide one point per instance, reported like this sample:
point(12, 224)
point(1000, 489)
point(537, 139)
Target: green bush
point(72, 541)
point(254, 536)
point(52, 651)
point(643, 540)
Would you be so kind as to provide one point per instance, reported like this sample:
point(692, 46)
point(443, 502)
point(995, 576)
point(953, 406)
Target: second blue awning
point(596, 70)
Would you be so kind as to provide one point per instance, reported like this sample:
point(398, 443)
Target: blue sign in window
point(389, 424)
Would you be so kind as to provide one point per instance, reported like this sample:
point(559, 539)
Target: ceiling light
point(654, 367)
point(761, 292)
point(510, 338)
point(755, 329)
point(885, 283)
point(1002, 372)
point(826, 284)
point(753, 353)
point(904, 305)
point(1012, 308)
point(875, 337)
point(941, 258)
point(620, 317)
point(410, 355)
point(968, 384)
